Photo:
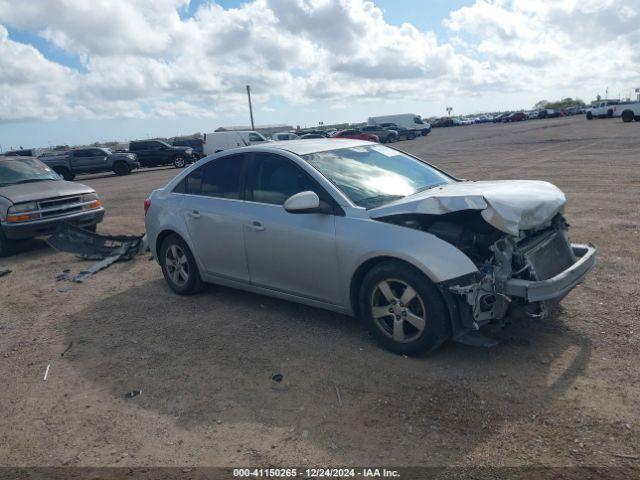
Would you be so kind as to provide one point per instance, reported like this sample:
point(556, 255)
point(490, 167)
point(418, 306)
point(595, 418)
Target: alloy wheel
point(177, 265)
point(398, 310)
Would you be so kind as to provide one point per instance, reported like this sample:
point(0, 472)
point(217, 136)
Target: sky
point(79, 71)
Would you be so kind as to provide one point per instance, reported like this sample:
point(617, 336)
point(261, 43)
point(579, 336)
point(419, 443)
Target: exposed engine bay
point(534, 255)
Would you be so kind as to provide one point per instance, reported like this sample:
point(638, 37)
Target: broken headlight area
point(535, 255)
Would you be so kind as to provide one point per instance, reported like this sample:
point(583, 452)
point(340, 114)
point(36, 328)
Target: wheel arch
point(366, 266)
point(160, 238)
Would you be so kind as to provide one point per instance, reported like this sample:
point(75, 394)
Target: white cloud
point(144, 58)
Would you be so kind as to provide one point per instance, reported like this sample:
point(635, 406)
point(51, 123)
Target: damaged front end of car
point(519, 270)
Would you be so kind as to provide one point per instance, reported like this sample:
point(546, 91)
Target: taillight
point(147, 204)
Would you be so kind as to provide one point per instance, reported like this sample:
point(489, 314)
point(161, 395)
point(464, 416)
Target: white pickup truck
point(603, 109)
point(628, 112)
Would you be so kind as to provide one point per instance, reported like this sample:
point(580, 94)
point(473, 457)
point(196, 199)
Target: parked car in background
point(153, 153)
point(90, 160)
point(218, 141)
point(604, 109)
point(34, 200)
point(311, 135)
point(444, 122)
point(361, 229)
point(403, 133)
point(533, 115)
point(23, 152)
point(515, 117)
point(500, 118)
point(628, 112)
point(284, 136)
point(410, 121)
point(386, 135)
point(356, 134)
point(194, 143)
point(322, 133)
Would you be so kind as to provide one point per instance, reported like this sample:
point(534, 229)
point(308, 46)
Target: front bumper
point(36, 228)
point(559, 286)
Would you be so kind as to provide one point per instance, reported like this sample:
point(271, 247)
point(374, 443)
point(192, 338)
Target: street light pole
point(250, 107)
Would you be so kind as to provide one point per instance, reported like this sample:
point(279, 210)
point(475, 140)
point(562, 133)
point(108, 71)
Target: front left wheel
point(403, 310)
point(179, 162)
point(179, 266)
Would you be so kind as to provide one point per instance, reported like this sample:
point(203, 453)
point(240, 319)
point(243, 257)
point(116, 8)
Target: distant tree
point(560, 104)
point(61, 147)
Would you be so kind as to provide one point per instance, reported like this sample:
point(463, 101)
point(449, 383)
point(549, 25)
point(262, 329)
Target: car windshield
point(374, 175)
point(13, 172)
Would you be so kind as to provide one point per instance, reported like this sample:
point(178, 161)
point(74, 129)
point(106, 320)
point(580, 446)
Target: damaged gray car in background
point(367, 230)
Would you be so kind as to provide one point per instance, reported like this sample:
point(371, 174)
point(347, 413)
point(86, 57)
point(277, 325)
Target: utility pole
point(250, 107)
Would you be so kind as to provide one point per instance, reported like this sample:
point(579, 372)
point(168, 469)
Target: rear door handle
point(194, 214)
point(257, 227)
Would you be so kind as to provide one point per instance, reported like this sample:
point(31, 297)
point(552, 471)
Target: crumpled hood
point(29, 192)
point(508, 205)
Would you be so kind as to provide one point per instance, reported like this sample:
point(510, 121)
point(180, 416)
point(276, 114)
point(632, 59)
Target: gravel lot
point(560, 392)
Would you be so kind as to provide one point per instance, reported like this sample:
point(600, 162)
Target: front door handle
point(257, 227)
point(194, 214)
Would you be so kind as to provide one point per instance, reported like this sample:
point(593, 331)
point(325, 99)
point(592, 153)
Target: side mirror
point(306, 202)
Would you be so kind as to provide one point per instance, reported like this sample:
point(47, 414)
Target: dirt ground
point(561, 392)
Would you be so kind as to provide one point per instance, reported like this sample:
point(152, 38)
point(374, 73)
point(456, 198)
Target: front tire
point(121, 168)
point(403, 310)
point(64, 173)
point(179, 266)
point(179, 162)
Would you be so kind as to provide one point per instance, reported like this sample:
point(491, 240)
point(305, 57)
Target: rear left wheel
point(627, 116)
point(5, 245)
point(121, 168)
point(403, 309)
point(179, 266)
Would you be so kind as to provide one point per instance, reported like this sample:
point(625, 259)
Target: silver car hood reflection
point(508, 205)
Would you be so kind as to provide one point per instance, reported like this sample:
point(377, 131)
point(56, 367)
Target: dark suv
point(195, 143)
point(152, 153)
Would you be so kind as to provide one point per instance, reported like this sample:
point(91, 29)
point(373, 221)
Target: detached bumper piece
point(558, 286)
point(107, 249)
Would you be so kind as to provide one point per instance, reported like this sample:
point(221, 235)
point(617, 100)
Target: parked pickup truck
point(34, 200)
point(604, 109)
point(90, 160)
point(153, 153)
point(628, 112)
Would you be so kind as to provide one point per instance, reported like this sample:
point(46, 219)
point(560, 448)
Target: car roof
point(314, 145)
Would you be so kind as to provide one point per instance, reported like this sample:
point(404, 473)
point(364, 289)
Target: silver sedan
point(363, 229)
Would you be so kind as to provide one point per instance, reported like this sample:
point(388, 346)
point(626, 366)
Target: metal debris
point(107, 249)
point(4, 272)
point(132, 393)
point(46, 372)
point(67, 349)
point(277, 377)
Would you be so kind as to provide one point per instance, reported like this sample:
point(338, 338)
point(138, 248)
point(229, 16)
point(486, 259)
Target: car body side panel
point(362, 239)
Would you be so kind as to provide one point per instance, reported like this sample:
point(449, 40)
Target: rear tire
point(403, 310)
point(121, 168)
point(64, 173)
point(6, 245)
point(179, 266)
point(627, 116)
point(179, 162)
point(589, 116)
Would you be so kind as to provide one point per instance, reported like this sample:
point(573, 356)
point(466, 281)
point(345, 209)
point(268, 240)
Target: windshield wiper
point(379, 198)
point(428, 187)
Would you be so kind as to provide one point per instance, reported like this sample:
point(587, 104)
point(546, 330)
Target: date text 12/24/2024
point(315, 473)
